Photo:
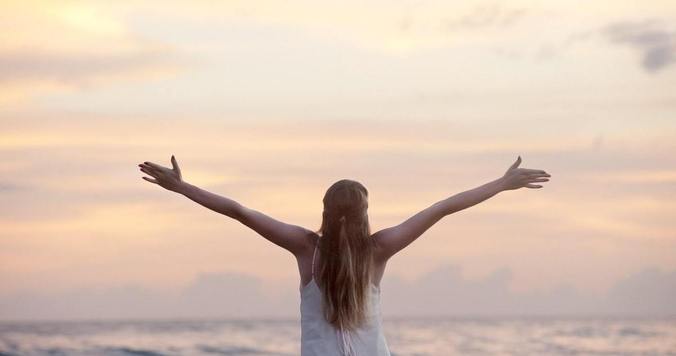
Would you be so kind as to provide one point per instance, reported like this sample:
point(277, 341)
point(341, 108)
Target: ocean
point(406, 337)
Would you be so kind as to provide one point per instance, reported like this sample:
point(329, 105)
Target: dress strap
point(313, 258)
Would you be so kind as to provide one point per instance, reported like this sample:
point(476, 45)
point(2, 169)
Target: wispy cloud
point(654, 39)
point(487, 16)
point(10, 187)
point(82, 69)
point(57, 46)
point(401, 27)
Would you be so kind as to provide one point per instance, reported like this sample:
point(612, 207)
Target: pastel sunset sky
point(270, 102)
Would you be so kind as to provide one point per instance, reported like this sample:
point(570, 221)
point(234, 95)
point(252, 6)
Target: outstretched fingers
point(538, 176)
point(154, 166)
point(148, 171)
point(524, 177)
point(533, 171)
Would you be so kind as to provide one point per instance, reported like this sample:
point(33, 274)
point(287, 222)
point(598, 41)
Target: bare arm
point(290, 237)
point(393, 239)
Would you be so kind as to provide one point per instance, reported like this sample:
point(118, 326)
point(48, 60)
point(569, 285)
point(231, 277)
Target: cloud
point(395, 28)
point(484, 16)
point(445, 292)
point(10, 187)
point(210, 295)
point(441, 292)
point(652, 38)
point(74, 46)
point(646, 292)
point(79, 69)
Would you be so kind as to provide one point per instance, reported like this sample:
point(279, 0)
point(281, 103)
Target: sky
point(269, 103)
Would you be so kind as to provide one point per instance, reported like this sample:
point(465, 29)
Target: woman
point(341, 265)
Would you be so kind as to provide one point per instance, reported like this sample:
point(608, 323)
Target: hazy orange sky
point(270, 102)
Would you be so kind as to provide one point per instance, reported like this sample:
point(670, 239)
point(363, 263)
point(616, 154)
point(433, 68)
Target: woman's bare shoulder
point(310, 240)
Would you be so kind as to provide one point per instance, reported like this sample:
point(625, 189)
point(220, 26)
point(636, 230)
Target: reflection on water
point(535, 336)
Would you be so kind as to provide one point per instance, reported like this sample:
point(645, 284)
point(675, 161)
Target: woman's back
point(318, 337)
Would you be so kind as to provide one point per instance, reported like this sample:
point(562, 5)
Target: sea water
point(454, 336)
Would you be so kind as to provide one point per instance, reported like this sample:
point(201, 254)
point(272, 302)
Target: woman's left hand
point(167, 178)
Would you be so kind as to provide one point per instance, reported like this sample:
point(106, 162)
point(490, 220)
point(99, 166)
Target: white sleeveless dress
point(319, 338)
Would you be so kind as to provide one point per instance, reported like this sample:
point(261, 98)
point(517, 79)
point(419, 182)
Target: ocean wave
point(130, 351)
point(405, 338)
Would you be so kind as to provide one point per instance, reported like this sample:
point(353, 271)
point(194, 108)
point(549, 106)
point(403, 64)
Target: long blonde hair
point(347, 255)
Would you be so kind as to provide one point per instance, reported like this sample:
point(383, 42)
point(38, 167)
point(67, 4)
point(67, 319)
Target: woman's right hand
point(167, 178)
point(516, 178)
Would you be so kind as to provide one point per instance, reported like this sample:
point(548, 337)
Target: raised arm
point(393, 239)
point(290, 237)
